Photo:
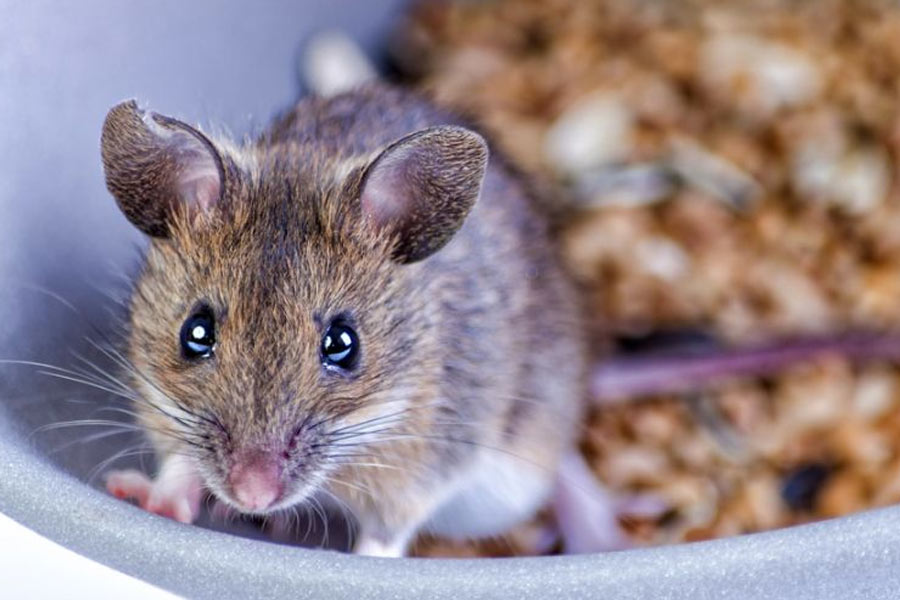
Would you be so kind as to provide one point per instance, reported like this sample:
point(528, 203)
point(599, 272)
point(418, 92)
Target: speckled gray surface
point(62, 65)
point(854, 557)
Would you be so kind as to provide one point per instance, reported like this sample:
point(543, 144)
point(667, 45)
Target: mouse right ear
point(422, 187)
point(155, 165)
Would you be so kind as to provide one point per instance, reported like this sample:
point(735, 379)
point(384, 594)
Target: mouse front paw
point(175, 493)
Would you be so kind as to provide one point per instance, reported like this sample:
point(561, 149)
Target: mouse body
point(362, 303)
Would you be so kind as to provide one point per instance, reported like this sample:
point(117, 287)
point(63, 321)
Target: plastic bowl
point(61, 67)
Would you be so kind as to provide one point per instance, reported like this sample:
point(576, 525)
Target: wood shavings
point(712, 174)
point(755, 76)
point(593, 133)
point(625, 187)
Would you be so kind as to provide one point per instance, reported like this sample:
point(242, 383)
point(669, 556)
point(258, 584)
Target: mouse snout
point(256, 481)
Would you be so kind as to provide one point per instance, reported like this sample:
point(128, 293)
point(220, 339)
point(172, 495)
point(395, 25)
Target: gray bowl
point(64, 248)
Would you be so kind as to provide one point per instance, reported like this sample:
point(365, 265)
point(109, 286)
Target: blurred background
point(717, 173)
point(720, 170)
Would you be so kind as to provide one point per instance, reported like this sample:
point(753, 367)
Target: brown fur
point(479, 341)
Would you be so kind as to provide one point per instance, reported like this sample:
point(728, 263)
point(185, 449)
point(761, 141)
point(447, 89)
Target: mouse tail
point(620, 379)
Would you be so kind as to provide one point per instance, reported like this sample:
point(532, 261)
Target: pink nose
point(255, 482)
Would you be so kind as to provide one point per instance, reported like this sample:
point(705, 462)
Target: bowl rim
point(853, 556)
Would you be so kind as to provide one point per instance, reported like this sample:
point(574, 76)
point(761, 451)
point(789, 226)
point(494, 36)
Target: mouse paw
point(129, 485)
point(587, 514)
point(175, 493)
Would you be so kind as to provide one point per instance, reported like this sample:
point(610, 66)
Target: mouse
point(362, 304)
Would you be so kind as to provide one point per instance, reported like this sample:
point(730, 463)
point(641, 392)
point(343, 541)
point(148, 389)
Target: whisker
point(124, 453)
point(103, 373)
point(309, 521)
point(126, 363)
point(86, 423)
point(320, 512)
point(91, 438)
point(119, 410)
point(350, 517)
point(76, 377)
point(88, 383)
point(374, 465)
point(359, 487)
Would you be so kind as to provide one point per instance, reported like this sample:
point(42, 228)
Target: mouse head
point(280, 326)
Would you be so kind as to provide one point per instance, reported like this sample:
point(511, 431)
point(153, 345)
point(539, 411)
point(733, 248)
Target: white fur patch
point(499, 492)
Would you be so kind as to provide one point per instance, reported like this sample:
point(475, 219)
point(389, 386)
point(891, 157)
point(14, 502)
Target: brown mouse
point(362, 303)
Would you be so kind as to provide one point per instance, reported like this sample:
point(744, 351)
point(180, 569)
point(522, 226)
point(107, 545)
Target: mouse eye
point(198, 337)
point(340, 346)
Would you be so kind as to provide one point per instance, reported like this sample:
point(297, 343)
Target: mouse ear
point(422, 187)
point(155, 164)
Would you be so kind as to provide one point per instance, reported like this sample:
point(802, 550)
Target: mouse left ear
point(156, 165)
point(422, 187)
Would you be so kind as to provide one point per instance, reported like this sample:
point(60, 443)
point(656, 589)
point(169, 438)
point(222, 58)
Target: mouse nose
point(256, 482)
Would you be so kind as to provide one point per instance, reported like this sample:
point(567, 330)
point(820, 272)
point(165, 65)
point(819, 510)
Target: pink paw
point(177, 498)
point(129, 485)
